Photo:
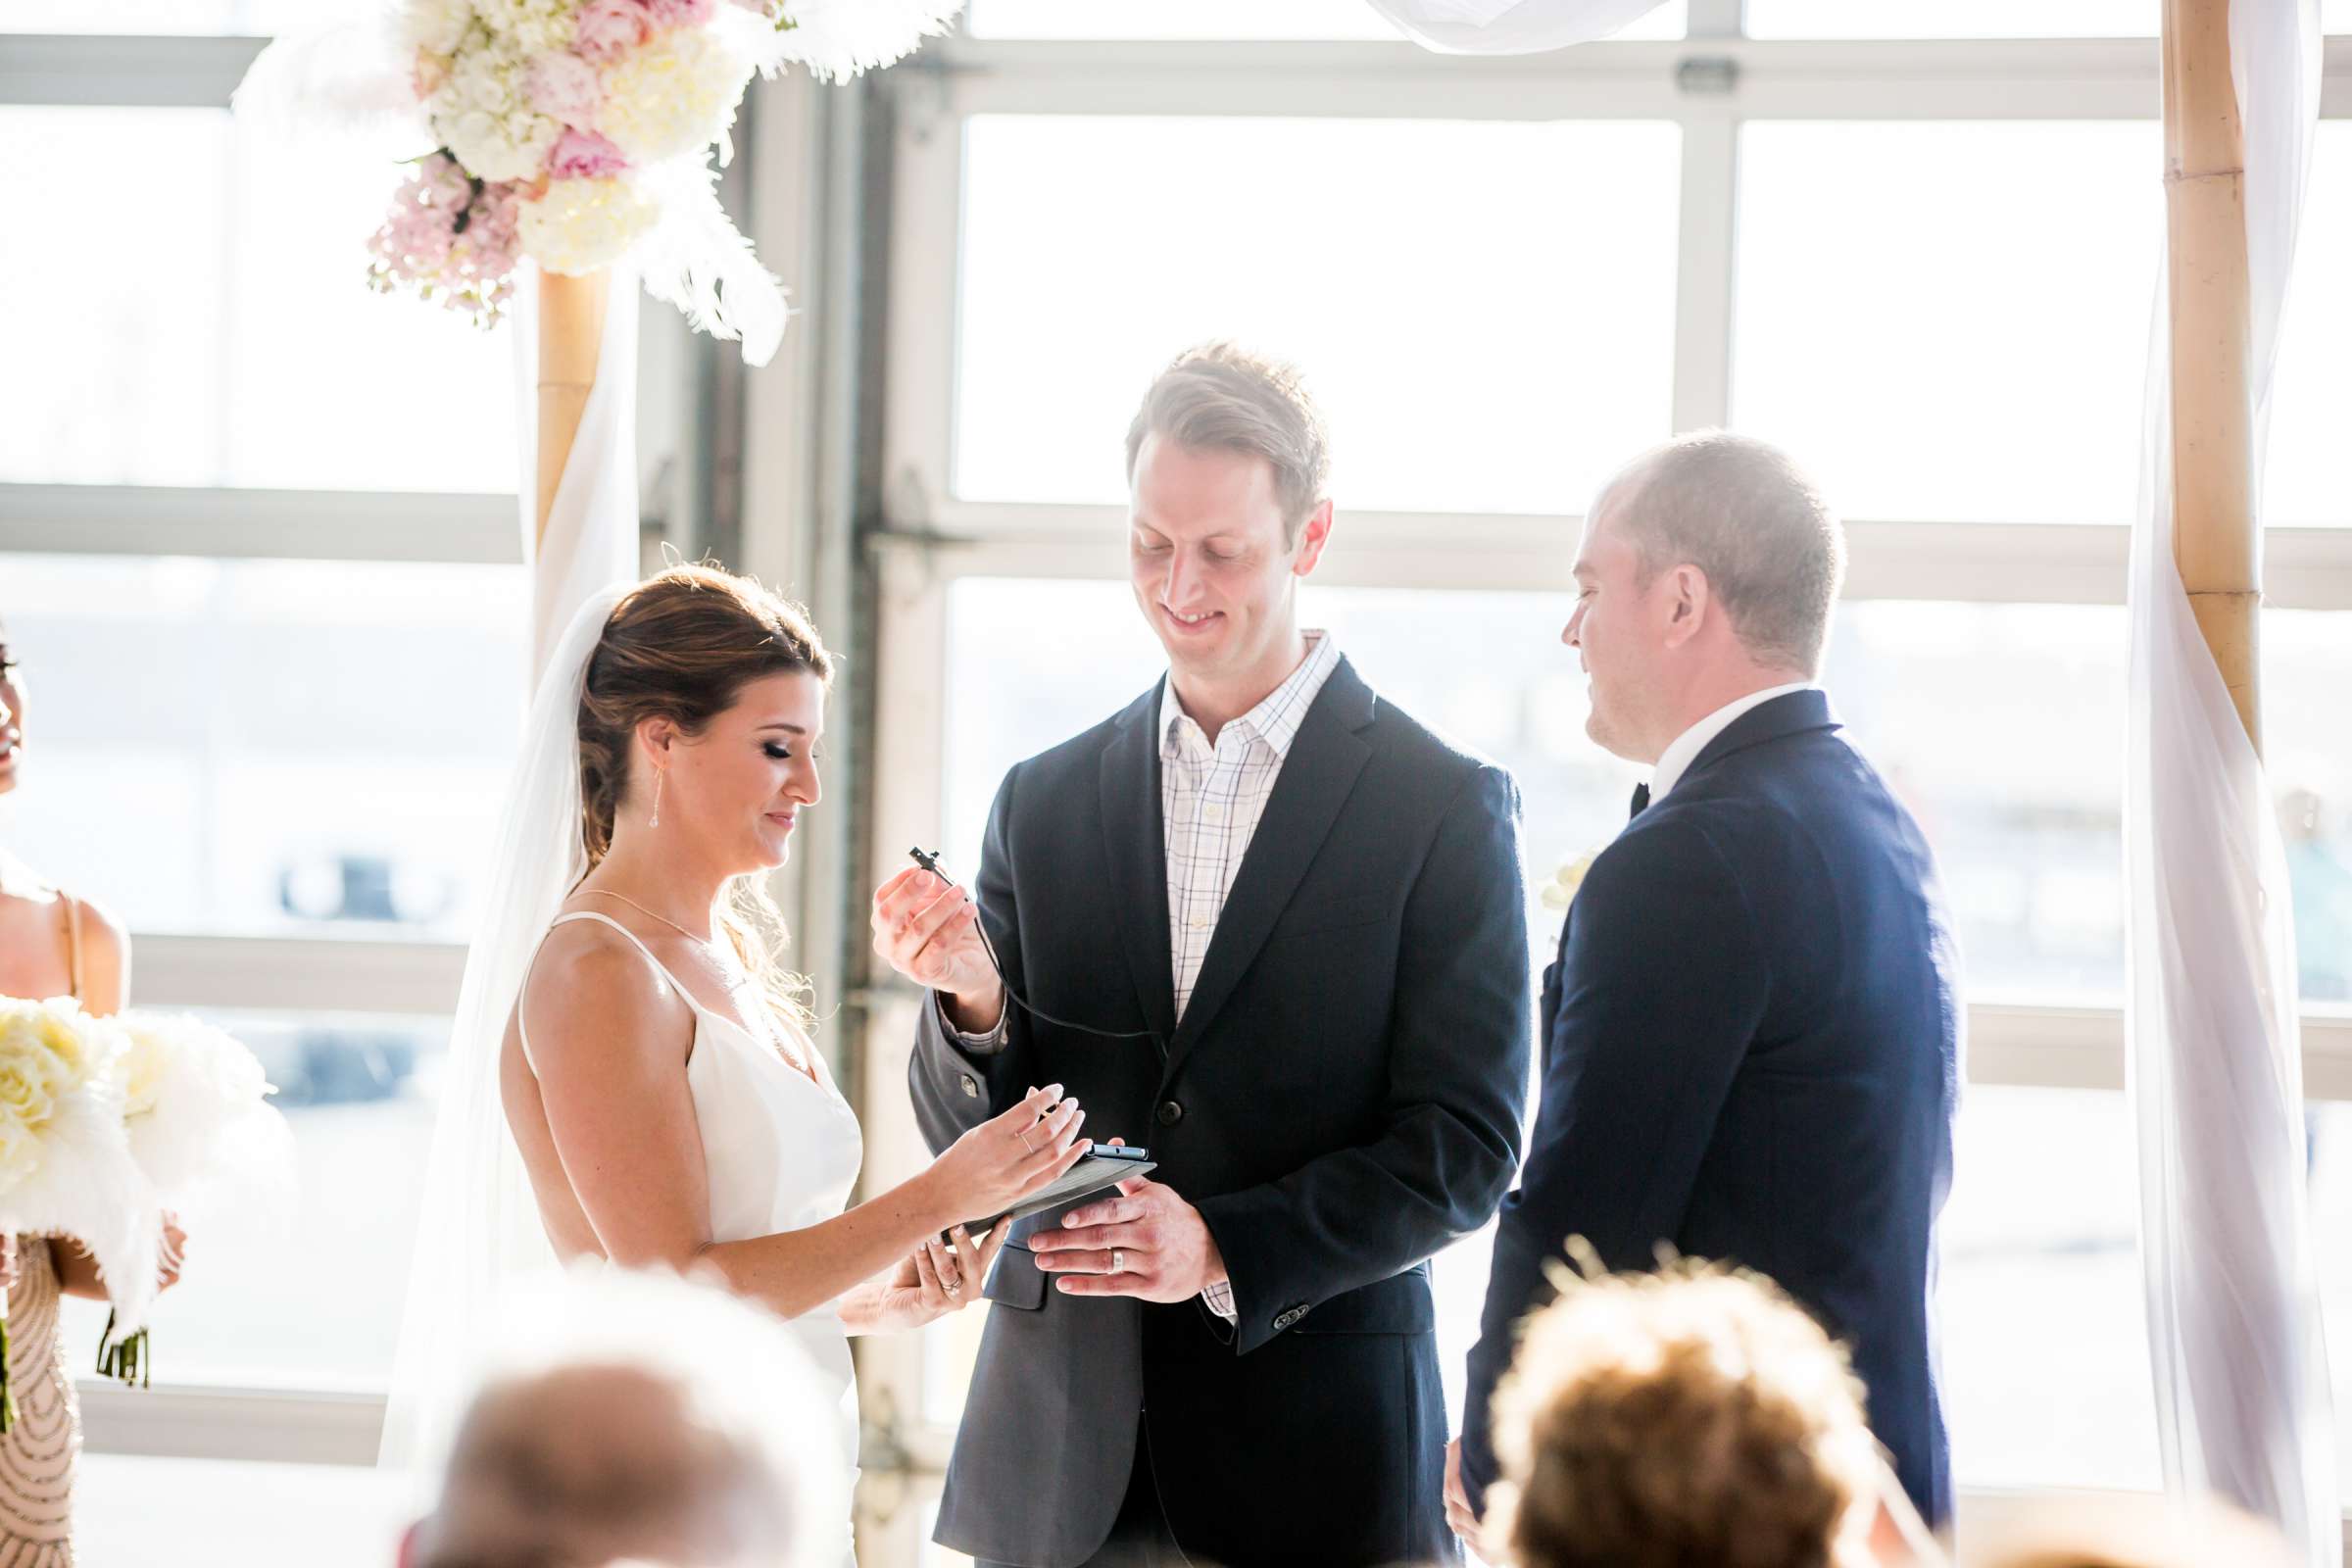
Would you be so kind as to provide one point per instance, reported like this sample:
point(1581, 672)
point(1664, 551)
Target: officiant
point(1266, 921)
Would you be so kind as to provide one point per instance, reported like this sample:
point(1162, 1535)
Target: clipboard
point(1103, 1168)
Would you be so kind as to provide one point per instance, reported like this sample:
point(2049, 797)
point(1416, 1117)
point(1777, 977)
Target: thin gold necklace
point(792, 1058)
point(608, 893)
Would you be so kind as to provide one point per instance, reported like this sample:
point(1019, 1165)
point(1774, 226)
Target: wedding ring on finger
point(1023, 1136)
point(1118, 1260)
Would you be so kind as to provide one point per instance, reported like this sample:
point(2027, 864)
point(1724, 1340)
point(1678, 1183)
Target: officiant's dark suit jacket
point(1342, 1099)
point(1751, 1049)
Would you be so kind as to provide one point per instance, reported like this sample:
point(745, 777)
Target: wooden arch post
point(2215, 540)
point(571, 333)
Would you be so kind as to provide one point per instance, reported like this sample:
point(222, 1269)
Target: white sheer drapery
point(2233, 1313)
point(480, 1236)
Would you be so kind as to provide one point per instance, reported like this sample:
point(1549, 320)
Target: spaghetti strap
point(73, 944)
point(522, 1029)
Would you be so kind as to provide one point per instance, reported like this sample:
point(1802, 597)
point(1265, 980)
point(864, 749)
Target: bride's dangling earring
point(655, 820)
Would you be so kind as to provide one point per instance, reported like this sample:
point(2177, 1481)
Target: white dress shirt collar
point(1677, 759)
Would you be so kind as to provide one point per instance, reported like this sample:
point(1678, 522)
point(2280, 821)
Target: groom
point(1307, 909)
point(1752, 1034)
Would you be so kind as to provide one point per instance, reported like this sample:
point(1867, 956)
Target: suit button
point(1169, 1113)
point(1286, 1319)
point(971, 1087)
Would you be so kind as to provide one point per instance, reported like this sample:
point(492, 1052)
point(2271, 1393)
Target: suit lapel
point(1314, 784)
point(1134, 844)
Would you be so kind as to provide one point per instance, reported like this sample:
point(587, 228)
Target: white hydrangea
point(534, 26)
point(580, 226)
point(482, 114)
point(436, 26)
point(674, 94)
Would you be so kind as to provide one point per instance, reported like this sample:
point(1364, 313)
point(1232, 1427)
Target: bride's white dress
point(782, 1151)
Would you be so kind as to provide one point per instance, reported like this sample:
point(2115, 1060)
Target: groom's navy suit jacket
point(1341, 1099)
point(1751, 1050)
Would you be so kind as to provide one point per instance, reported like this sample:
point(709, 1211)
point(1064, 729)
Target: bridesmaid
point(51, 944)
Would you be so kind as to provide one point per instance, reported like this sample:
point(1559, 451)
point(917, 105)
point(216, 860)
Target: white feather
point(696, 260)
point(839, 39)
point(349, 79)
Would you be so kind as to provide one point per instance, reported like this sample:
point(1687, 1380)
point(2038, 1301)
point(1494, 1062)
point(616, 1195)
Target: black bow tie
point(1641, 799)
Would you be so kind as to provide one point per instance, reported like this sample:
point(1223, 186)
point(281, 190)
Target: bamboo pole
point(571, 332)
point(2215, 541)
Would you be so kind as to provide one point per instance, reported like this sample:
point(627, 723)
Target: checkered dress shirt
point(1210, 800)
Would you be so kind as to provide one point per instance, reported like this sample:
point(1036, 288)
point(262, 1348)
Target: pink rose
point(563, 85)
point(608, 28)
point(432, 71)
point(584, 155)
point(679, 12)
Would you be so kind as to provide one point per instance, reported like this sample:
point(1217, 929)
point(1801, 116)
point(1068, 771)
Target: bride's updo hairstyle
point(682, 646)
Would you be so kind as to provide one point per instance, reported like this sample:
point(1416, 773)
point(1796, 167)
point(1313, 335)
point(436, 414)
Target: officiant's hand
point(1147, 1243)
point(928, 929)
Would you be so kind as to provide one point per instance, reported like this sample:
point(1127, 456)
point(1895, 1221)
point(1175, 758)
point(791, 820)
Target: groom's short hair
point(1223, 397)
point(1743, 513)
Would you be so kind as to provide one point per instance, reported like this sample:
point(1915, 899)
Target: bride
point(632, 1076)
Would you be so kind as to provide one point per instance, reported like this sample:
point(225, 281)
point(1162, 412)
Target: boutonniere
point(1560, 891)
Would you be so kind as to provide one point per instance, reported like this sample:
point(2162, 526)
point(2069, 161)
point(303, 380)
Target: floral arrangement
point(578, 134)
point(107, 1125)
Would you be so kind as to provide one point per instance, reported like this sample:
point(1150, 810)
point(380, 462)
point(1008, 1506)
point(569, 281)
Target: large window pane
point(1974, 19)
point(2046, 1378)
point(2045, 1348)
point(1221, 18)
point(310, 1296)
point(257, 356)
point(1949, 321)
point(264, 747)
point(219, 1513)
point(2309, 479)
point(2002, 727)
point(1475, 348)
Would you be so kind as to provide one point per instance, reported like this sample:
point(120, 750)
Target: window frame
point(929, 538)
point(921, 538)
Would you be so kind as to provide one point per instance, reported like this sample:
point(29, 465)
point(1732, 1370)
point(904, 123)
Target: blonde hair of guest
point(1694, 1415)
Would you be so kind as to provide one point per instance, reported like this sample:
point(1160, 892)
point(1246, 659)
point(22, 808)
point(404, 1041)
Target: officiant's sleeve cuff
point(980, 1045)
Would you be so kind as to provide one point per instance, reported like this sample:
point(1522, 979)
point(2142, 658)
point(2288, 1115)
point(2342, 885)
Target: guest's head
point(1228, 471)
point(1707, 571)
point(1694, 1415)
point(12, 711)
point(698, 732)
point(638, 1419)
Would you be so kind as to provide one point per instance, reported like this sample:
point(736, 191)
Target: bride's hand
point(1006, 1158)
point(940, 1278)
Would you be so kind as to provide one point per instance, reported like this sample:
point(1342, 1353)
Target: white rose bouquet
point(197, 1122)
point(66, 1164)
